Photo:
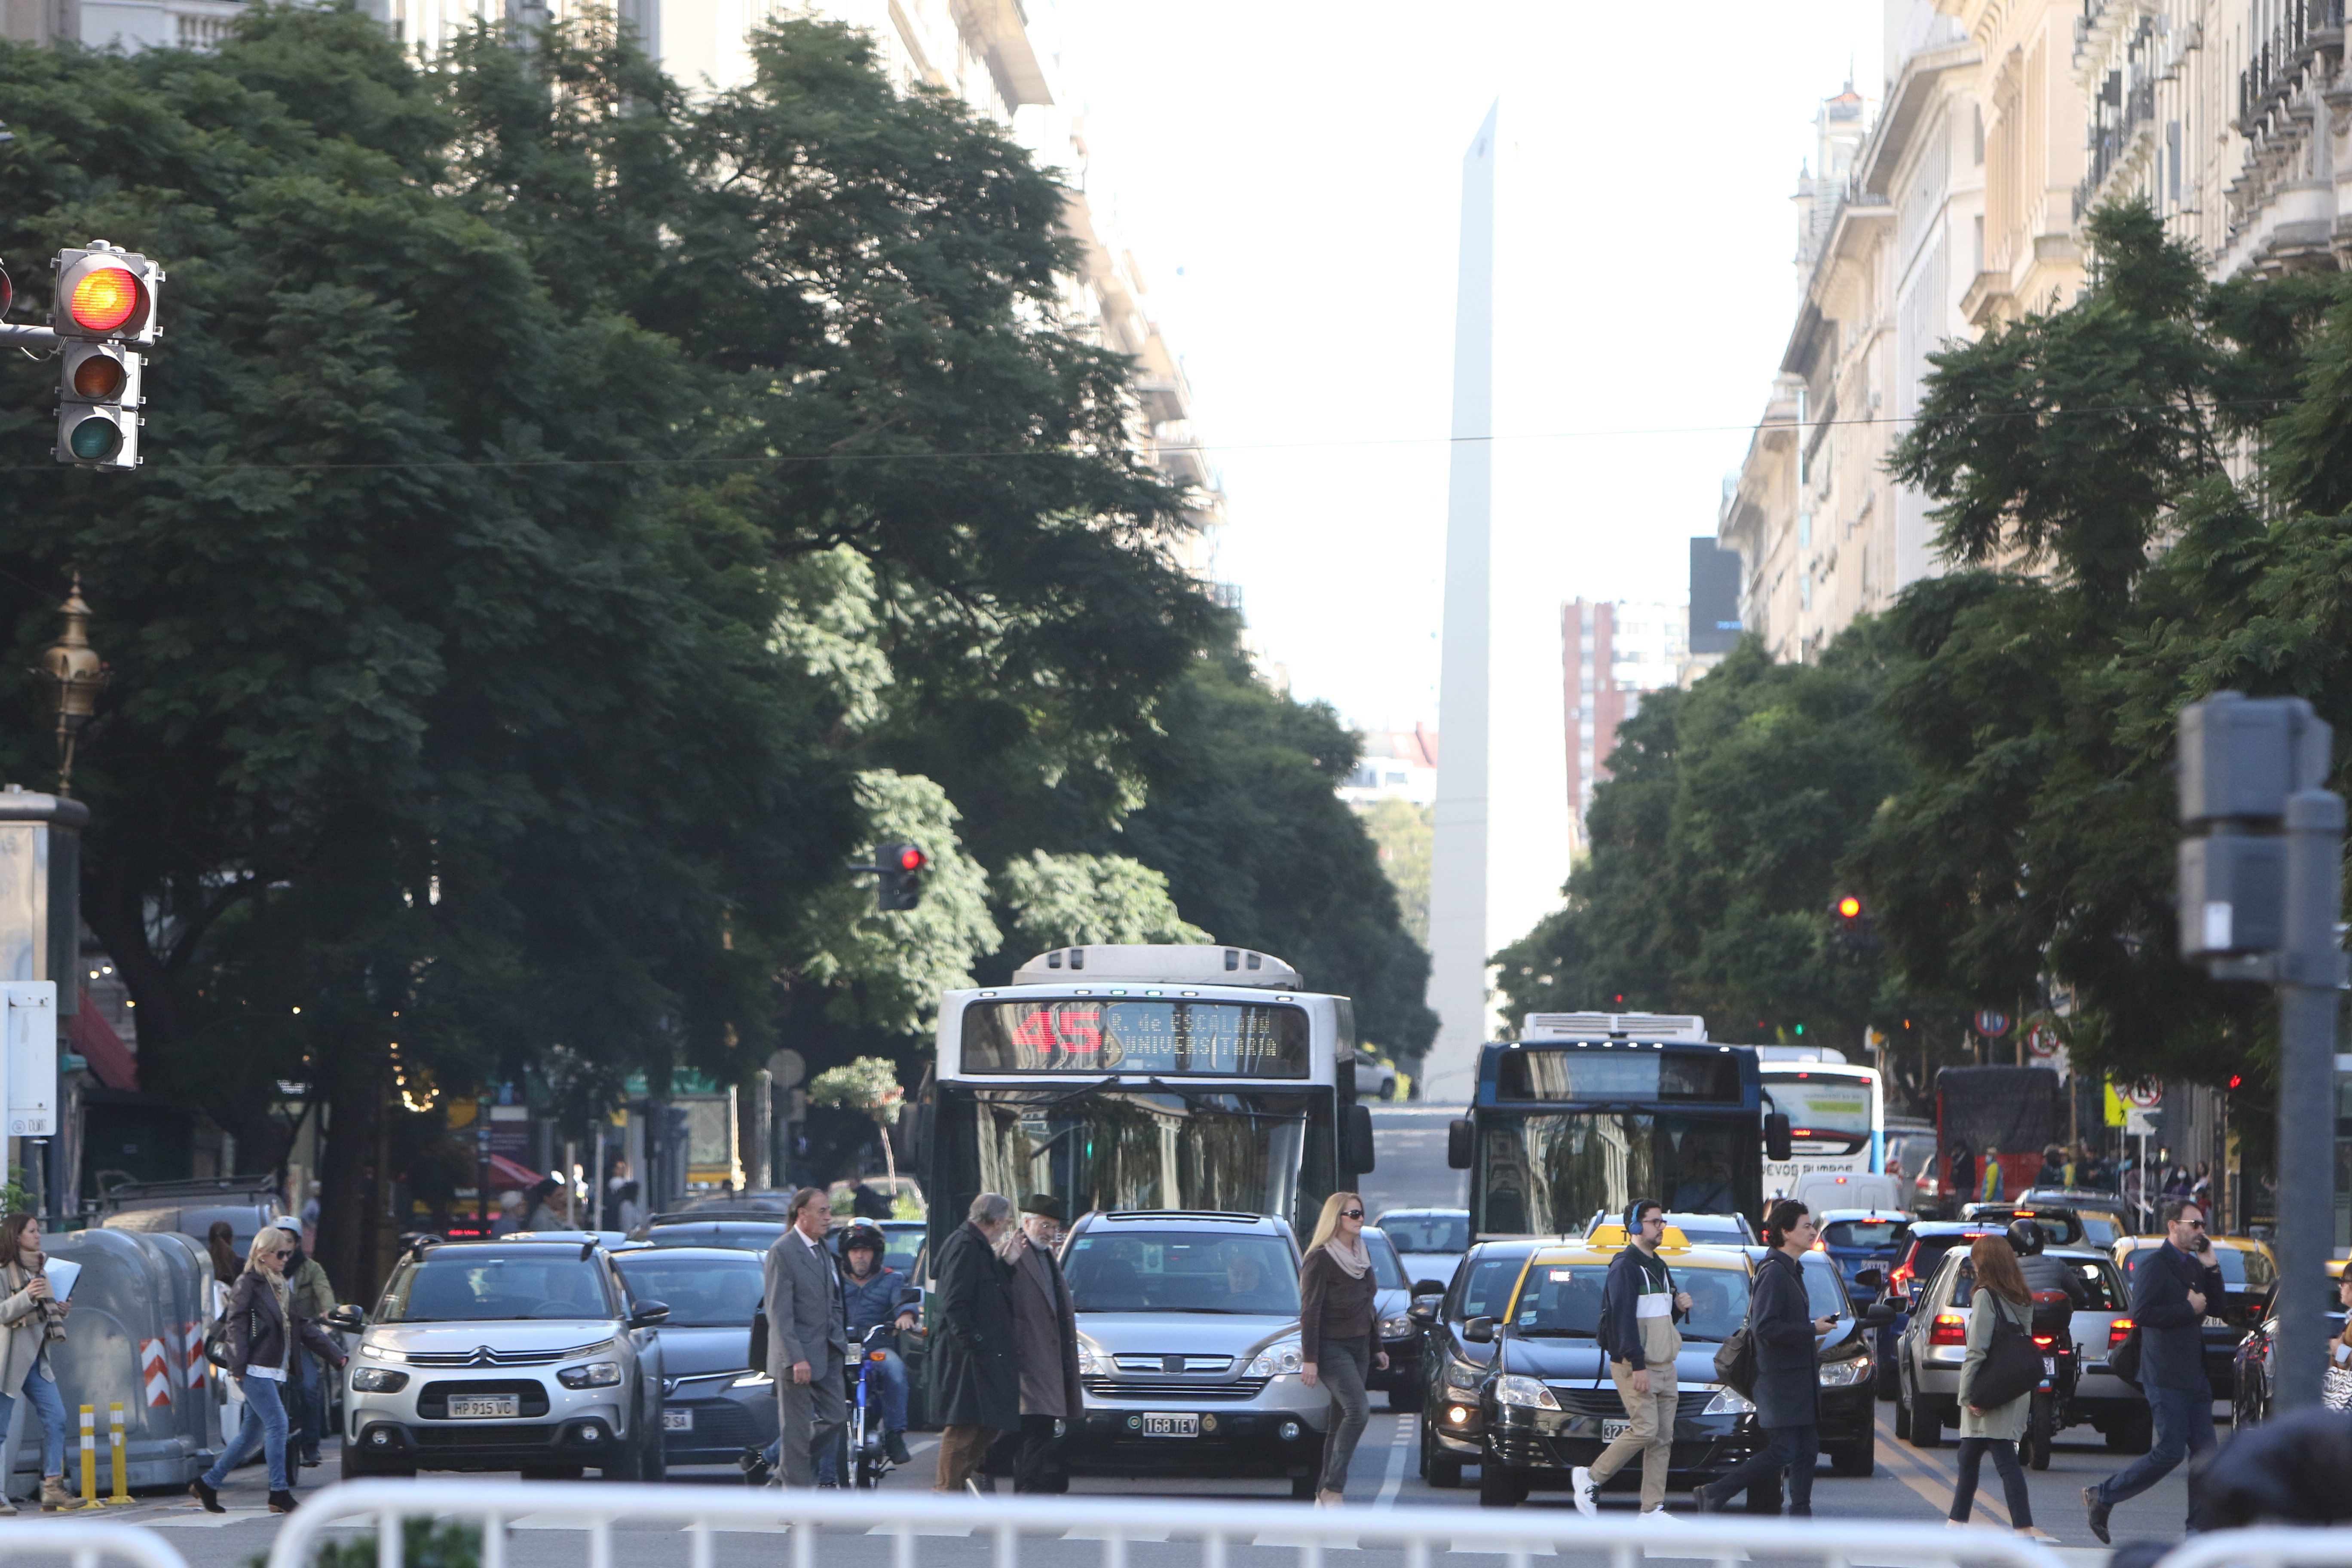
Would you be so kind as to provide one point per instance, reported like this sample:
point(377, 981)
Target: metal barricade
point(1114, 1524)
point(87, 1543)
point(2271, 1546)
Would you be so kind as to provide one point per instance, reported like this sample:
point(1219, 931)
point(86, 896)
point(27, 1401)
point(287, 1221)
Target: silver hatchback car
point(508, 1354)
point(1189, 1348)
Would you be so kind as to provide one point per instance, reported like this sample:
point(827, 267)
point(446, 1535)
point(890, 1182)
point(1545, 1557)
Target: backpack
point(1735, 1363)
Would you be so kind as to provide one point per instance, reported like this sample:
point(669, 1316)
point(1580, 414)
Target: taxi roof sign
point(1670, 1238)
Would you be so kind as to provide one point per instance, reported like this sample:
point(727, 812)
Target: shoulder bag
point(2012, 1366)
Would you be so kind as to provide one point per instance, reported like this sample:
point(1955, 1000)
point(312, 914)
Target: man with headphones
point(1639, 1305)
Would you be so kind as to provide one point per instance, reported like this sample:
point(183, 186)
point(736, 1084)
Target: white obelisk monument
point(1501, 851)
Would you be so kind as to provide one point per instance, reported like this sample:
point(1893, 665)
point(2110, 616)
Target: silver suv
point(1189, 1348)
point(509, 1354)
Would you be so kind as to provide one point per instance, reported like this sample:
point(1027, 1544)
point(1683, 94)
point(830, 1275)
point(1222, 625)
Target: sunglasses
point(2194, 1224)
point(1351, 1214)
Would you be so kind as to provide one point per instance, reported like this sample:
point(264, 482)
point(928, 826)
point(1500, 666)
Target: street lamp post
point(75, 674)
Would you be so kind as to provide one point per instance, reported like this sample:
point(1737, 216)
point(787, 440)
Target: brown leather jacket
point(256, 1328)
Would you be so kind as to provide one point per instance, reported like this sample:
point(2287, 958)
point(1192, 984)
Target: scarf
point(1352, 1260)
point(52, 1312)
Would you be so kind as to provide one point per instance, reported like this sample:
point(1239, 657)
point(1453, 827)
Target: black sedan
point(1452, 1368)
point(715, 1403)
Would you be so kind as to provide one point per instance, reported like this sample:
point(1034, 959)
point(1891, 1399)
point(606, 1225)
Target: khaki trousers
point(1651, 1433)
point(961, 1448)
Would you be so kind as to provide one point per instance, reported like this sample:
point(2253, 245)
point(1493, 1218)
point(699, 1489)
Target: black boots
point(281, 1502)
point(207, 1496)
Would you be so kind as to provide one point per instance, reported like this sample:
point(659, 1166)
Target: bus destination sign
point(1098, 1035)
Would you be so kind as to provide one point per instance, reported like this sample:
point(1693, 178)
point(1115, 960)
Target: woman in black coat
point(1788, 1368)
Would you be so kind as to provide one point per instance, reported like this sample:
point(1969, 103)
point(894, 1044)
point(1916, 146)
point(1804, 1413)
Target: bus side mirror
point(1776, 1136)
point(1359, 1153)
point(1457, 1144)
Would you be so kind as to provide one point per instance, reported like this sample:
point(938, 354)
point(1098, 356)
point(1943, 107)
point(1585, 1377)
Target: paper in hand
point(61, 1273)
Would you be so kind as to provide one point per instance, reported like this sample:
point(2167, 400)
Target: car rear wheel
point(1499, 1486)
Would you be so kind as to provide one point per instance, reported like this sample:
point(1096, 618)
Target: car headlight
point(1461, 1374)
point(1395, 1328)
point(378, 1353)
point(378, 1379)
point(754, 1379)
point(1277, 1360)
point(595, 1374)
point(1092, 1363)
point(1844, 1374)
point(1525, 1392)
point(1729, 1402)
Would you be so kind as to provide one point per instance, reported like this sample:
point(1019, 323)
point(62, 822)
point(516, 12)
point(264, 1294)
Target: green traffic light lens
point(95, 439)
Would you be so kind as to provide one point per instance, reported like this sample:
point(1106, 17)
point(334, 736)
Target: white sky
point(1299, 160)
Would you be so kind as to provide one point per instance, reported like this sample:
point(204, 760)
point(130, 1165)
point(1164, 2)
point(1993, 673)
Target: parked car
point(2250, 1278)
point(1429, 1242)
point(1399, 1335)
point(1934, 1344)
point(1929, 1240)
point(1857, 1240)
point(1453, 1369)
point(2250, 1392)
point(512, 1353)
point(1374, 1079)
point(714, 1402)
point(192, 1208)
point(1189, 1348)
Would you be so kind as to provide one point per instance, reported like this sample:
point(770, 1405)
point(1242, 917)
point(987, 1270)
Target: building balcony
point(2310, 34)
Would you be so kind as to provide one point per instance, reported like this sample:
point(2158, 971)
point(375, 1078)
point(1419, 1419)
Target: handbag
point(2124, 1360)
point(2012, 1366)
point(1735, 1363)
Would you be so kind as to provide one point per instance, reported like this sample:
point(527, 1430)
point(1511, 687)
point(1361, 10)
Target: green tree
point(869, 1085)
point(1066, 901)
point(1405, 836)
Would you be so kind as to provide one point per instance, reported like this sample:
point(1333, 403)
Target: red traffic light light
point(1849, 907)
point(103, 299)
point(910, 858)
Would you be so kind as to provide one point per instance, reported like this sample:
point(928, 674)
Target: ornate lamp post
point(75, 674)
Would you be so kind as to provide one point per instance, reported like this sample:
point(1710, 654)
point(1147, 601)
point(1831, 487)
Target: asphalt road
point(1909, 1485)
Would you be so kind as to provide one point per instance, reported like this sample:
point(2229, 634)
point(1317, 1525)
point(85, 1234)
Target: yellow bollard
point(89, 1456)
point(121, 1455)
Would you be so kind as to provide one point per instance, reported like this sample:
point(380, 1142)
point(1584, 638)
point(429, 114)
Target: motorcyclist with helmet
point(873, 1293)
point(2042, 1272)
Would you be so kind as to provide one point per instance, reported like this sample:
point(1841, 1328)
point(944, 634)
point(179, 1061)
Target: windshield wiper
point(1020, 1098)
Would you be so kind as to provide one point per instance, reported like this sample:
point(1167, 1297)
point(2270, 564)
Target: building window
point(1980, 262)
point(1804, 530)
point(2173, 162)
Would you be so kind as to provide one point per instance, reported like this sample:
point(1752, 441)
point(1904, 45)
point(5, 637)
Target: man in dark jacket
point(1045, 1333)
point(976, 1377)
point(1788, 1368)
point(2171, 1289)
point(1639, 1306)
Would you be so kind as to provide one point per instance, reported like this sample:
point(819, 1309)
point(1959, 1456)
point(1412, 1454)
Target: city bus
point(1837, 1113)
point(1144, 1077)
point(1585, 1112)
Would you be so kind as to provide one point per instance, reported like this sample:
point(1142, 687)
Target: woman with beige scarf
point(1338, 1318)
point(31, 1319)
point(262, 1327)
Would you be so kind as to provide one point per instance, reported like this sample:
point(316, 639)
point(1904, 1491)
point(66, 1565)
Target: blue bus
point(1586, 1112)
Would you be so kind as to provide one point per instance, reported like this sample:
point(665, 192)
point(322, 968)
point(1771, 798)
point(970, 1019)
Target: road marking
point(1406, 1428)
point(1917, 1468)
point(203, 1520)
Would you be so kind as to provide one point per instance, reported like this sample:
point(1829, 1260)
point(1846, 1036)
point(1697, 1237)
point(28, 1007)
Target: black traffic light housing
point(900, 866)
point(1852, 929)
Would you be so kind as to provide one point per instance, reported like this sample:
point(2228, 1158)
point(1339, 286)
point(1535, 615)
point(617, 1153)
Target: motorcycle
point(862, 1437)
point(2052, 1410)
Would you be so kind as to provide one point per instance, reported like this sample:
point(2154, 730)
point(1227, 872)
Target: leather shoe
point(1705, 1502)
point(2099, 1511)
point(894, 1444)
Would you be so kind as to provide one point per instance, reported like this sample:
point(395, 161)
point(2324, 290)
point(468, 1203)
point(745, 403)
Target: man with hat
point(313, 1296)
point(1046, 1347)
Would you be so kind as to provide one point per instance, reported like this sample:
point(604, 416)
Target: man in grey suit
point(806, 1341)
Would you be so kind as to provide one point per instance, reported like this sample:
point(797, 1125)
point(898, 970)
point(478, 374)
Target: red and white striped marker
point(155, 1370)
point(192, 1353)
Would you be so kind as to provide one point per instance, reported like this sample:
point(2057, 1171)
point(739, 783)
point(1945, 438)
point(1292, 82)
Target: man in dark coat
point(1788, 1369)
point(975, 1378)
point(2172, 1287)
point(1046, 1330)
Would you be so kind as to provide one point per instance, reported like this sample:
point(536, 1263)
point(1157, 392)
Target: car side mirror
point(1479, 1331)
point(1869, 1278)
point(1776, 1137)
point(646, 1314)
point(1428, 1288)
point(1423, 1310)
point(1457, 1144)
point(348, 1318)
point(1880, 1314)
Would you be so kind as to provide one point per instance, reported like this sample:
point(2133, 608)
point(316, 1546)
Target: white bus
point(1836, 1111)
point(1144, 1078)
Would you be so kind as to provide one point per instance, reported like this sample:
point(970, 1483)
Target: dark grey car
point(715, 1403)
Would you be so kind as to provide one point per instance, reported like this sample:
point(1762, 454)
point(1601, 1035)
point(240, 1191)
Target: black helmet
point(865, 1233)
point(2024, 1237)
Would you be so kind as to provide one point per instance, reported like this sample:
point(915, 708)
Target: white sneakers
point(1659, 1516)
point(1580, 1486)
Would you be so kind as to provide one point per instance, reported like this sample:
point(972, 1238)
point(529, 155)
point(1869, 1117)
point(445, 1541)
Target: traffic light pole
point(27, 338)
point(2310, 979)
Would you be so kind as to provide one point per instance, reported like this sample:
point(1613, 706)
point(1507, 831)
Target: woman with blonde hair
point(262, 1327)
point(2000, 1293)
point(1339, 1319)
point(32, 1320)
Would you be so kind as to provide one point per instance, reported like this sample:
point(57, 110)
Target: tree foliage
point(1068, 900)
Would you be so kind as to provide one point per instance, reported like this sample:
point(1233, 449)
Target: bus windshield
point(1543, 1172)
point(1187, 1146)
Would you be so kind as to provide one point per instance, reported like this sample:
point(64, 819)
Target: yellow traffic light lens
point(96, 439)
point(100, 377)
point(103, 299)
point(1849, 906)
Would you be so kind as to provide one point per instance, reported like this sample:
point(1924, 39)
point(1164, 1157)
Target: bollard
point(89, 1456)
point(120, 1455)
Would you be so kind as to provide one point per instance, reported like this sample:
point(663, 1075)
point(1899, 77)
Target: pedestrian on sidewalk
point(1639, 1306)
point(1788, 1369)
point(1338, 1328)
point(262, 1328)
point(314, 1298)
point(32, 1320)
point(1045, 1336)
point(2170, 1288)
point(807, 1341)
point(975, 1375)
point(2000, 1294)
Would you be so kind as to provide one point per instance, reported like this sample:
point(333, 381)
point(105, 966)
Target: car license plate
point(481, 1406)
point(1172, 1426)
point(1612, 1430)
point(677, 1420)
point(2050, 1366)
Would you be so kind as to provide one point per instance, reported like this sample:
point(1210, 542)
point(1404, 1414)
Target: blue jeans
point(51, 1409)
point(1791, 1449)
point(262, 1399)
point(885, 1393)
point(2184, 1426)
point(311, 1405)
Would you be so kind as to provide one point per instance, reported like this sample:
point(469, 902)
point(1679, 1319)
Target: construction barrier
point(87, 1543)
point(2271, 1547)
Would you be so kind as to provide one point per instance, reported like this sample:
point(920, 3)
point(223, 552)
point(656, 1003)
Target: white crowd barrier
point(1008, 1522)
point(2270, 1547)
point(87, 1543)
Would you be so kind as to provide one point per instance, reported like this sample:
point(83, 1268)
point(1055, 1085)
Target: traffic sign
point(2144, 1096)
point(2042, 1040)
point(1992, 1026)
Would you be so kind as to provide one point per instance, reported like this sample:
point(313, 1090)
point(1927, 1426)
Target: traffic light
point(104, 311)
point(901, 866)
point(1851, 927)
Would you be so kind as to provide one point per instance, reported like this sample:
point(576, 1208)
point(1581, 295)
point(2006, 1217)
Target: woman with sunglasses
point(1339, 1319)
point(262, 1326)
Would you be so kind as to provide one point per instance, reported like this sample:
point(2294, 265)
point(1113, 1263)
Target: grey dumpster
point(135, 1334)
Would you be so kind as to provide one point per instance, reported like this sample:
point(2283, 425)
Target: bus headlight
point(1729, 1402)
point(1527, 1393)
point(1277, 1360)
point(1844, 1374)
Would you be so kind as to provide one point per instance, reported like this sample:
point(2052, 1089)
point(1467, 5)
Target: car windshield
point(1824, 1293)
point(1488, 1284)
point(1426, 1231)
point(2243, 1270)
point(1387, 1269)
point(700, 1292)
point(449, 1288)
point(1712, 1230)
point(1562, 1301)
point(1182, 1271)
point(1869, 1233)
point(2102, 1284)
